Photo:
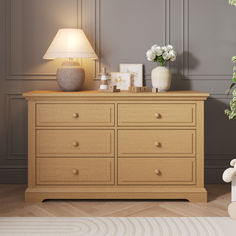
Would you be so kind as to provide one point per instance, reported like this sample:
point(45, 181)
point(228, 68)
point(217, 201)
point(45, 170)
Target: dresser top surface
point(169, 94)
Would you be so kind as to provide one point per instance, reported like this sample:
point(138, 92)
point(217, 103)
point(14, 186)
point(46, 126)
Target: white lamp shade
point(70, 43)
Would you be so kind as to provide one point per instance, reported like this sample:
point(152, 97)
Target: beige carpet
point(138, 226)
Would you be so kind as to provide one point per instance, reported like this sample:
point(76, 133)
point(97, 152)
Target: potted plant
point(231, 113)
point(161, 76)
point(229, 175)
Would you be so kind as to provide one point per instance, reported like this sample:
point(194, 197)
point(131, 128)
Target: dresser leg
point(33, 197)
point(198, 197)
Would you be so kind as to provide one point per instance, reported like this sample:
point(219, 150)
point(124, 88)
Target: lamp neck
point(71, 62)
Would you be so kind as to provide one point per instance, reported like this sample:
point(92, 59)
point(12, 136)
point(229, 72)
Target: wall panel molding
point(9, 47)
point(167, 22)
point(90, 23)
point(97, 65)
point(79, 16)
point(11, 98)
point(175, 25)
point(166, 29)
point(215, 164)
point(186, 51)
point(166, 32)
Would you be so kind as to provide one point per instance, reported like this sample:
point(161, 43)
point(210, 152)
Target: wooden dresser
point(91, 145)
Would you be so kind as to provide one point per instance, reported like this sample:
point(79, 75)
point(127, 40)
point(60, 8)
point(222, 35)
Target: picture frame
point(121, 80)
point(136, 71)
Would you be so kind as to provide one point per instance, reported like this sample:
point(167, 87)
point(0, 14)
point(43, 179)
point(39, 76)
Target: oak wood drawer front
point(75, 115)
point(75, 171)
point(156, 171)
point(156, 142)
point(75, 143)
point(156, 114)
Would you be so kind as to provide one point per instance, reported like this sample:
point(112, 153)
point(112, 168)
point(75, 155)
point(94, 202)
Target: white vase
point(161, 78)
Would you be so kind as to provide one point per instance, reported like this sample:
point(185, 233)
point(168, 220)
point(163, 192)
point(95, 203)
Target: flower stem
point(162, 63)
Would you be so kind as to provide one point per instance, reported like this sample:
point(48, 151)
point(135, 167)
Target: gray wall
point(121, 31)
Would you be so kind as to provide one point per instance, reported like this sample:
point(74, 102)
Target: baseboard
point(214, 175)
point(13, 176)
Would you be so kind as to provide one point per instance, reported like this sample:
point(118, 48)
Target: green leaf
point(234, 77)
point(232, 2)
point(232, 85)
point(229, 89)
point(234, 59)
point(234, 93)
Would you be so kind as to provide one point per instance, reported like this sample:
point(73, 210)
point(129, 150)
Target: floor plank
point(12, 205)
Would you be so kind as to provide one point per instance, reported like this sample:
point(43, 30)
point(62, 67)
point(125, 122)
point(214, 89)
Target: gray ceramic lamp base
point(70, 76)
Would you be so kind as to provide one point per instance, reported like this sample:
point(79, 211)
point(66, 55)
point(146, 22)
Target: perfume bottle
point(104, 79)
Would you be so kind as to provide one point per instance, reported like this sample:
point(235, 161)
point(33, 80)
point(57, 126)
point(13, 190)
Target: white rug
point(138, 226)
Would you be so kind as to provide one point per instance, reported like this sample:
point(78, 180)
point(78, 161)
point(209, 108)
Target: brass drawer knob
point(158, 115)
point(76, 115)
point(75, 144)
point(75, 171)
point(157, 144)
point(157, 172)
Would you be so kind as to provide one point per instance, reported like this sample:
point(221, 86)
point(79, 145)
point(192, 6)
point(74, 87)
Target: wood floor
point(12, 204)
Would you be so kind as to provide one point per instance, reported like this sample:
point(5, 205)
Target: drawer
point(75, 143)
point(75, 115)
point(75, 171)
point(156, 142)
point(156, 114)
point(156, 171)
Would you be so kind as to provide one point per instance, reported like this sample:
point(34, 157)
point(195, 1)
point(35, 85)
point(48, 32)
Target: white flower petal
point(170, 47)
point(150, 55)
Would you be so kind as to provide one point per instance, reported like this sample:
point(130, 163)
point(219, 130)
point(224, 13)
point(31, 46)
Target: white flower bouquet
point(161, 54)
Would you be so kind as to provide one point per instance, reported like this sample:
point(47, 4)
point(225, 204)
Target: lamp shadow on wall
point(185, 61)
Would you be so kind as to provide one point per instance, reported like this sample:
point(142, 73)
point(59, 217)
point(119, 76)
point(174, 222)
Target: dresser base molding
point(40, 194)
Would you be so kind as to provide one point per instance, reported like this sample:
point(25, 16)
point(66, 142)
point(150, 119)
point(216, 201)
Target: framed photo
point(136, 71)
point(121, 80)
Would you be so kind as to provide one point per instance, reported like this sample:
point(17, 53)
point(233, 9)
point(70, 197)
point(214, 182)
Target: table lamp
point(70, 44)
